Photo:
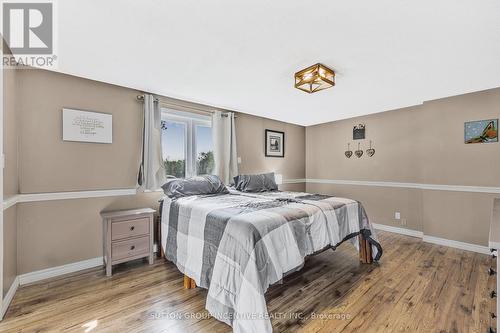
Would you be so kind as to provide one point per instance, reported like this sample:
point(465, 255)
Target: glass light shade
point(314, 78)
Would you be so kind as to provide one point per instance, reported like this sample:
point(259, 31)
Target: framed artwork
point(86, 126)
point(358, 132)
point(275, 143)
point(481, 131)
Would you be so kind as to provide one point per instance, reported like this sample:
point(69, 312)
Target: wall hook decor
point(348, 152)
point(358, 152)
point(370, 152)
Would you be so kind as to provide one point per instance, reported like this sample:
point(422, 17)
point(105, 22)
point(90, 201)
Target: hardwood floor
point(417, 287)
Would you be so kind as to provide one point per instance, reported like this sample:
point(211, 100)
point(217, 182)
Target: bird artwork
point(482, 131)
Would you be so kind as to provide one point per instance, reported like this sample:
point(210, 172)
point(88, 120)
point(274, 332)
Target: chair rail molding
point(421, 186)
point(49, 196)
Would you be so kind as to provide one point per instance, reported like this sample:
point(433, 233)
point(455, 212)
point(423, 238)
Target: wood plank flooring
point(417, 287)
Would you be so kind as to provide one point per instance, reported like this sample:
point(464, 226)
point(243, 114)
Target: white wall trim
point(59, 270)
point(456, 244)
point(75, 195)
point(437, 187)
point(9, 296)
point(397, 230)
point(48, 196)
point(293, 181)
point(33, 197)
point(10, 201)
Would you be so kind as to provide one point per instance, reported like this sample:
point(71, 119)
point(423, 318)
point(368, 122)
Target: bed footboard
point(365, 250)
point(189, 283)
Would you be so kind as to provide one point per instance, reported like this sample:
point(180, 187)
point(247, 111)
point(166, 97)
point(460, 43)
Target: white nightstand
point(127, 235)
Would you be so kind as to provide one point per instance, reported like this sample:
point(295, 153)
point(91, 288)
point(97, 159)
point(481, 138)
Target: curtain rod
point(170, 104)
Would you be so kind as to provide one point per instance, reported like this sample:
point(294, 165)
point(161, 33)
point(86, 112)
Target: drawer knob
point(491, 271)
point(132, 247)
point(132, 228)
point(493, 294)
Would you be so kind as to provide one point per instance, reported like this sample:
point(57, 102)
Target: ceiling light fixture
point(314, 78)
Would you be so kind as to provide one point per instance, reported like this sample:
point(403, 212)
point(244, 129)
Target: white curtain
point(152, 171)
point(224, 141)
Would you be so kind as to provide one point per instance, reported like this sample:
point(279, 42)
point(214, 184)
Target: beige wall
point(421, 144)
point(445, 159)
point(70, 230)
point(48, 164)
point(393, 136)
point(381, 203)
point(53, 233)
point(250, 141)
point(458, 216)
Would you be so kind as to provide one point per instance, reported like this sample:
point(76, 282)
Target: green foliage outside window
point(177, 168)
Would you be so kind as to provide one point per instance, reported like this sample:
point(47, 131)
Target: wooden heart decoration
point(358, 152)
point(371, 151)
point(348, 152)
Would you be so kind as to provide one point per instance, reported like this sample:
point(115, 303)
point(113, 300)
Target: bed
point(238, 244)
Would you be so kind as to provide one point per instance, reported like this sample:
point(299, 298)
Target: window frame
point(191, 121)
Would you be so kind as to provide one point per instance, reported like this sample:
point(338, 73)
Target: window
point(187, 144)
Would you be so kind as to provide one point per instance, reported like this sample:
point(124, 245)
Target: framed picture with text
point(275, 143)
point(87, 126)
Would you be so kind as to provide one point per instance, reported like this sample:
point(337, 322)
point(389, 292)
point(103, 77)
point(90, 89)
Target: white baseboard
point(456, 244)
point(434, 240)
point(59, 270)
point(9, 296)
point(397, 230)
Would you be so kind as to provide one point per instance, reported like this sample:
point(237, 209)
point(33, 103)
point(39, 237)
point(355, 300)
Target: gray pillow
point(200, 185)
point(255, 183)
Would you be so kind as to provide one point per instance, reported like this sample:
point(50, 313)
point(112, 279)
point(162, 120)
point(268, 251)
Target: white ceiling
point(242, 55)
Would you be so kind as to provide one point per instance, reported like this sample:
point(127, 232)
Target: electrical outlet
point(403, 221)
point(397, 215)
point(239, 160)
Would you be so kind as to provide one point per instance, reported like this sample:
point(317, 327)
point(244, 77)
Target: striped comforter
point(236, 245)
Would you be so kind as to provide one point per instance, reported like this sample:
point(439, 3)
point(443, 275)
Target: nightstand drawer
point(130, 228)
point(130, 248)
